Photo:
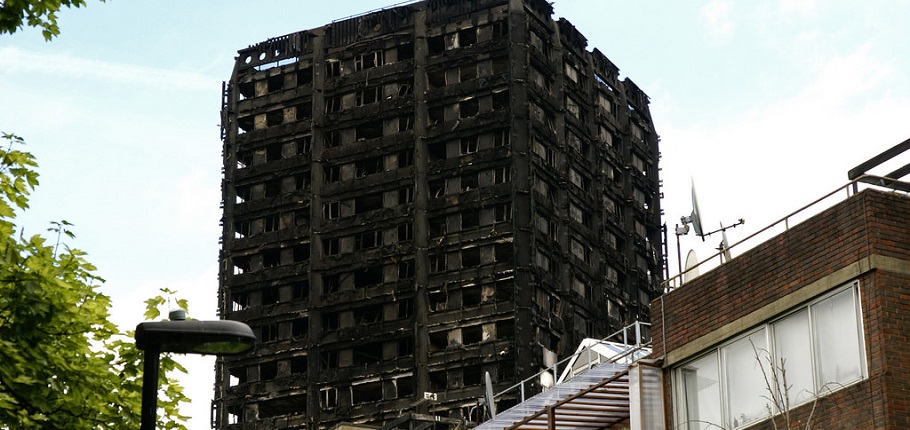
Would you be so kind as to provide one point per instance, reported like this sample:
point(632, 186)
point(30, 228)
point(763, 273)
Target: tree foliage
point(63, 364)
point(14, 14)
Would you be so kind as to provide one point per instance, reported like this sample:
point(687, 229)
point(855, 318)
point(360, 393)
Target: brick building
point(826, 302)
point(420, 195)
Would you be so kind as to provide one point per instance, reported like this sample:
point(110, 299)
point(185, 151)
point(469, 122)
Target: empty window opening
point(330, 321)
point(302, 290)
point(473, 375)
point(436, 44)
point(273, 118)
point(369, 315)
point(405, 195)
point(501, 137)
point(366, 393)
point(502, 175)
point(437, 151)
point(244, 159)
point(405, 348)
point(238, 376)
point(405, 308)
point(367, 240)
point(504, 290)
point(504, 253)
point(242, 193)
point(470, 219)
point(268, 370)
point(505, 329)
point(438, 342)
point(329, 359)
point(302, 181)
point(472, 334)
point(436, 78)
point(239, 301)
point(271, 258)
point(301, 217)
point(469, 145)
point(273, 152)
point(406, 268)
point(298, 365)
point(300, 327)
point(471, 296)
point(241, 229)
point(303, 111)
point(367, 203)
point(438, 301)
point(247, 89)
point(333, 104)
point(500, 66)
point(235, 414)
point(500, 29)
point(405, 51)
point(330, 247)
point(273, 187)
point(328, 397)
point(437, 188)
point(467, 72)
point(368, 60)
point(405, 232)
point(241, 264)
point(405, 89)
point(304, 145)
point(468, 108)
point(368, 166)
point(368, 277)
point(370, 130)
point(467, 36)
point(470, 257)
point(282, 406)
point(469, 182)
point(332, 68)
point(405, 159)
point(501, 100)
point(437, 226)
point(436, 115)
point(405, 123)
point(301, 252)
point(305, 76)
point(369, 95)
point(245, 123)
point(438, 263)
point(502, 212)
point(332, 174)
point(270, 296)
point(275, 83)
point(331, 210)
point(268, 333)
point(270, 223)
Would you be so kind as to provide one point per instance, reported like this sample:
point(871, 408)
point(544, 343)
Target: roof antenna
point(695, 219)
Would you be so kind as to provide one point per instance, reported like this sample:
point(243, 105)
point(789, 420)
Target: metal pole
point(150, 388)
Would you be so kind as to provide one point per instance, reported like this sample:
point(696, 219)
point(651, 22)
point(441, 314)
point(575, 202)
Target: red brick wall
point(871, 222)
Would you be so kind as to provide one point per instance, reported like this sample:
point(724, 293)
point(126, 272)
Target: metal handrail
point(638, 346)
point(872, 180)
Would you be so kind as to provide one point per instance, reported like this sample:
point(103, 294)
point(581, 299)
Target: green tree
point(63, 364)
point(14, 14)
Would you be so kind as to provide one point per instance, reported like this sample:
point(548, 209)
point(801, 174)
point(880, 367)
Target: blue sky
point(766, 105)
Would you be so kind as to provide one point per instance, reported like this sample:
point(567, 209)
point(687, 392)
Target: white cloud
point(803, 7)
point(15, 60)
point(717, 17)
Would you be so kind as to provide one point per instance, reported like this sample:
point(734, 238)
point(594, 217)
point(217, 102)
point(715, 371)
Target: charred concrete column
point(421, 197)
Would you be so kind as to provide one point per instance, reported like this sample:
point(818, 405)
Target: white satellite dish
point(691, 261)
point(695, 218)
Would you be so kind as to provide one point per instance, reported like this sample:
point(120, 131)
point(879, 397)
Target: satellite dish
point(691, 261)
point(488, 393)
point(724, 244)
point(695, 218)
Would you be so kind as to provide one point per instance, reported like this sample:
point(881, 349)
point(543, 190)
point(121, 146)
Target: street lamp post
point(221, 337)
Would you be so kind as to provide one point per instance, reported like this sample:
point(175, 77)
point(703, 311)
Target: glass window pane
point(837, 340)
point(700, 393)
point(747, 391)
point(794, 359)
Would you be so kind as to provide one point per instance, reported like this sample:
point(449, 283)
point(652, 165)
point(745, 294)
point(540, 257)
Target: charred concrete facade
point(420, 195)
